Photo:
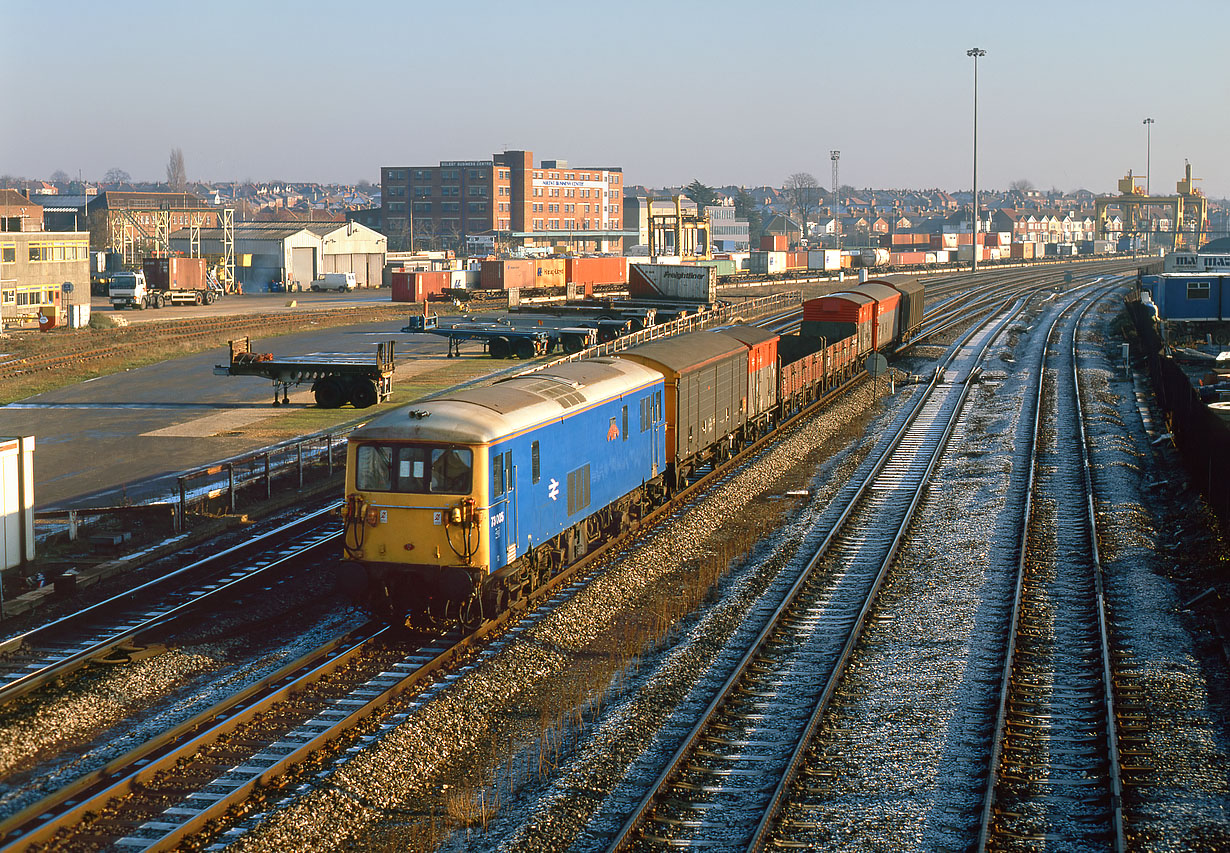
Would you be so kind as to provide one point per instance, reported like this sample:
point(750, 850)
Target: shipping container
point(723, 266)
point(586, 272)
point(828, 260)
point(1022, 251)
point(766, 263)
point(673, 282)
point(773, 242)
point(463, 279)
point(174, 273)
point(507, 274)
point(419, 285)
point(549, 272)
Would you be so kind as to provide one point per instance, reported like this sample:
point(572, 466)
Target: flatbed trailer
point(504, 341)
point(337, 378)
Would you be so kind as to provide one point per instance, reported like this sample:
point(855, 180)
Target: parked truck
point(164, 281)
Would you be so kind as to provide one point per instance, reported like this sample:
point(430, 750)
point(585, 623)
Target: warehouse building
point(505, 199)
point(38, 269)
point(294, 253)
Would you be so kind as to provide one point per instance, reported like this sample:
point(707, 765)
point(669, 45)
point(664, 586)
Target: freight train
point(457, 505)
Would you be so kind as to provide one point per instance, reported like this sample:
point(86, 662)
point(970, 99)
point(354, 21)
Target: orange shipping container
point(549, 272)
point(417, 286)
point(590, 271)
point(773, 242)
point(506, 274)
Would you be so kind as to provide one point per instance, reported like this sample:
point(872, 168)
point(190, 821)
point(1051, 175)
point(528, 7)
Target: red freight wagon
point(416, 286)
point(841, 315)
point(761, 369)
point(507, 274)
point(888, 301)
point(773, 242)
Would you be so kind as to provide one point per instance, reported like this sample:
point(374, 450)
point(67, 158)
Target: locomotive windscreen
point(414, 468)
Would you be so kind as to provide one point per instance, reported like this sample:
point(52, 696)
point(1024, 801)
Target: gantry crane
point(1190, 210)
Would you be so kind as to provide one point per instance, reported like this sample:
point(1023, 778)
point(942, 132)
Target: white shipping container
point(824, 259)
point(767, 263)
point(78, 316)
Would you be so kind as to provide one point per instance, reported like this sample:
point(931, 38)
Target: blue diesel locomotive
point(470, 499)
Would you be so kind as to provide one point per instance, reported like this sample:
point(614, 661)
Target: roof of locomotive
point(684, 352)
point(493, 412)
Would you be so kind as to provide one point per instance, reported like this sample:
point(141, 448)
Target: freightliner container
point(673, 282)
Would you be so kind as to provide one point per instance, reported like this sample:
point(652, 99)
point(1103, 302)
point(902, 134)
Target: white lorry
point(339, 281)
point(164, 281)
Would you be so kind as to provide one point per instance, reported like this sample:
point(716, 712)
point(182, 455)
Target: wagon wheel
point(500, 348)
point(496, 600)
point(525, 348)
point(329, 393)
point(363, 394)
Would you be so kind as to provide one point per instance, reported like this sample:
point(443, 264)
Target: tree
point(117, 176)
point(746, 208)
point(803, 193)
point(701, 194)
point(59, 176)
point(1024, 185)
point(177, 175)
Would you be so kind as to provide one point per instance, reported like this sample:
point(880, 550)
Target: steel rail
point(53, 650)
point(90, 794)
point(990, 800)
point(673, 766)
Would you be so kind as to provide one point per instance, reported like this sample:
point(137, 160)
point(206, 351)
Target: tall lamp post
point(1148, 123)
point(975, 53)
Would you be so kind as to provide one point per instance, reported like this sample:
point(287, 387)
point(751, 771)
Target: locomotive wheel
point(329, 393)
point(500, 348)
point(363, 394)
point(525, 348)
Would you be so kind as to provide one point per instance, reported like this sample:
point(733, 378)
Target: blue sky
point(726, 92)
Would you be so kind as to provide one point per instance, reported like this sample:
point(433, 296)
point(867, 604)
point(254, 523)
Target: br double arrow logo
point(553, 489)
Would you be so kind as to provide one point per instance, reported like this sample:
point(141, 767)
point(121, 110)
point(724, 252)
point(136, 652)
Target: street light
point(1148, 123)
point(975, 52)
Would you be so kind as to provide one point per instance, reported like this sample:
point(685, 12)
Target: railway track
point(169, 788)
point(725, 783)
point(52, 651)
point(131, 340)
point(1055, 771)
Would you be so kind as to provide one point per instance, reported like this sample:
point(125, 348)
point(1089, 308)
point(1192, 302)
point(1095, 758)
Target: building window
point(8, 255)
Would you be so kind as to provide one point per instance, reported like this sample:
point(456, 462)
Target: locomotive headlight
point(372, 516)
point(455, 515)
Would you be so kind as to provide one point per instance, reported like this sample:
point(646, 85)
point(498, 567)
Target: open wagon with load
point(337, 378)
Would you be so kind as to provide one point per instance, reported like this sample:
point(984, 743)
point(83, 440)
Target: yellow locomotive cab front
point(414, 519)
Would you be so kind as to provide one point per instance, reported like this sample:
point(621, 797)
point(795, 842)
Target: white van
point(339, 281)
